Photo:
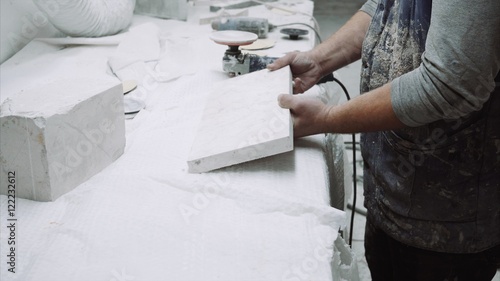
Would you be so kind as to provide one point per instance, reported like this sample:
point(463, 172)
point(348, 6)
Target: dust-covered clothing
point(436, 184)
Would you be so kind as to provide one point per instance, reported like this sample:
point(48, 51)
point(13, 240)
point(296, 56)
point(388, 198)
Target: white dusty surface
point(145, 217)
point(242, 121)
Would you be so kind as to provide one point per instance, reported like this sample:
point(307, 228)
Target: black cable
point(360, 211)
point(354, 176)
point(294, 23)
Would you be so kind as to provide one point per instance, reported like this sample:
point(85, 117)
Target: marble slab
point(242, 121)
point(56, 136)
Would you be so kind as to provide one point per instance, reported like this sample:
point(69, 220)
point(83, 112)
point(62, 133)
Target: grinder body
point(259, 26)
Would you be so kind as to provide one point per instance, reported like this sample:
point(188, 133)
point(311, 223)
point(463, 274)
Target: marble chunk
point(57, 136)
point(242, 121)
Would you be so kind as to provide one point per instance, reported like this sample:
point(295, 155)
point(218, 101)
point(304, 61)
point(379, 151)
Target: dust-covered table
point(145, 217)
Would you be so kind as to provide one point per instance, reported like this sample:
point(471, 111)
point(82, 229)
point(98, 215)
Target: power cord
point(354, 173)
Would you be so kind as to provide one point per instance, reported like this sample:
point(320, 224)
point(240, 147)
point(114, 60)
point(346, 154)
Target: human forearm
point(369, 112)
point(339, 50)
point(344, 46)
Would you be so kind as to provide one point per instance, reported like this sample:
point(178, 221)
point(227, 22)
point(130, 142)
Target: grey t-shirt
point(459, 64)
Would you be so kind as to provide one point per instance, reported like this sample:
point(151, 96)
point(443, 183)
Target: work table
point(144, 217)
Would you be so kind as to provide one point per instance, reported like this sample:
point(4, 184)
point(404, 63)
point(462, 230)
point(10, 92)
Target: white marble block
point(242, 121)
point(57, 136)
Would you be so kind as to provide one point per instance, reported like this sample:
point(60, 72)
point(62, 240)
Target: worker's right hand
point(306, 71)
point(309, 114)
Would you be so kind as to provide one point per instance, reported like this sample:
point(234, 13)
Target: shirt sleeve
point(459, 64)
point(370, 7)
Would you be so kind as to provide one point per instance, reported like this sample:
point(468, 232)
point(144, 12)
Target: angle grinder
point(234, 62)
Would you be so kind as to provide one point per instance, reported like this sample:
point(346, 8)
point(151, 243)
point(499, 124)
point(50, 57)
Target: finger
point(298, 86)
point(286, 101)
point(281, 62)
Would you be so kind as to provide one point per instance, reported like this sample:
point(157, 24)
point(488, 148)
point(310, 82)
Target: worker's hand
point(309, 114)
point(305, 71)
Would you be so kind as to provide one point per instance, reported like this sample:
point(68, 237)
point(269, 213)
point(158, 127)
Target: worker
point(429, 118)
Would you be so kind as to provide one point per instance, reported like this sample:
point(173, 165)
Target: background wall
point(20, 22)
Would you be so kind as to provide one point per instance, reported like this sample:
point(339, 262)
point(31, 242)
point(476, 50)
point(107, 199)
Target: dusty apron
point(435, 186)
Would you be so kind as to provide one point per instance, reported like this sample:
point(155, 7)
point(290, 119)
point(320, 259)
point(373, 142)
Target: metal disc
point(294, 33)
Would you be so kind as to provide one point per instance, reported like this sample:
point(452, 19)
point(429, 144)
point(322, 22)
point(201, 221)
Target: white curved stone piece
point(242, 121)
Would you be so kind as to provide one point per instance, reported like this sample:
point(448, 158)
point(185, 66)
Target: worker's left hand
point(305, 70)
point(309, 114)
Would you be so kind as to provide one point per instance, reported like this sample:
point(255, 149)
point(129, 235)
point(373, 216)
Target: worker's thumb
point(286, 101)
point(276, 65)
point(282, 62)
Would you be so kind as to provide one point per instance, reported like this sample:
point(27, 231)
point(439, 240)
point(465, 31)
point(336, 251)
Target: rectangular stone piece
point(242, 121)
point(58, 135)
